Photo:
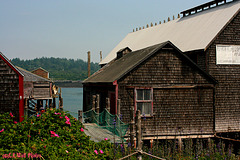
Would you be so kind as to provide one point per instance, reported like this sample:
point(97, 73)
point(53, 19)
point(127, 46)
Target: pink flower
point(44, 146)
point(15, 122)
point(41, 139)
point(60, 117)
point(96, 151)
point(28, 135)
point(68, 119)
point(101, 151)
point(82, 130)
point(66, 151)
point(11, 114)
point(68, 122)
point(56, 135)
point(105, 139)
point(2, 130)
point(57, 113)
point(38, 115)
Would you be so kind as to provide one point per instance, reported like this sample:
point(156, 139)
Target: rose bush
point(51, 136)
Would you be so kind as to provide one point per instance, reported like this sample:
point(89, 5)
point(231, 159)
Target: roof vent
point(123, 51)
point(205, 6)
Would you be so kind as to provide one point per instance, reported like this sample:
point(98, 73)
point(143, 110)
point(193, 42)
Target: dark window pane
point(139, 106)
point(147, 94)
point(139, 94)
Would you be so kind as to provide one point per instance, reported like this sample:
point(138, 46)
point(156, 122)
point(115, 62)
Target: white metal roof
point(188, 33)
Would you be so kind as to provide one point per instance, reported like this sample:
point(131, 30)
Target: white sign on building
point(228, 54)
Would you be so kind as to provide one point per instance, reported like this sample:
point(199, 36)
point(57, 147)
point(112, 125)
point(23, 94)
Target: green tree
point(59, 68)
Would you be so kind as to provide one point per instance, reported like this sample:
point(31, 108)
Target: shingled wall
point(9, 90)
point(228, 76)
point(175, 110)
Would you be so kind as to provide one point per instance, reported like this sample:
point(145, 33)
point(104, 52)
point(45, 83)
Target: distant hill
point(58, 68)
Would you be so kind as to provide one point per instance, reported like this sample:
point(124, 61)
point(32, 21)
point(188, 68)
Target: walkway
point(98, 134)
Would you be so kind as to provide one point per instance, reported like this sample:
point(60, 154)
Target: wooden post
point(80, 116)
point(46, 106)
point(151, 143)
point(89, 63)
point(50, 103)
point(131, 126)
point(39, 104)
point(118, 107)
point(60, 100)
point(54, 102)
point(100, 56)
point(60, 103)
point(139, 135)
point(26, 107)
point(94, 102)
point(108, 104)
point(179, 144)
point(98, 103)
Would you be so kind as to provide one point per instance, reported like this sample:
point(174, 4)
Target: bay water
point(72, 100)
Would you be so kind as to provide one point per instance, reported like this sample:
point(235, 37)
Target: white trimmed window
point(144, 101)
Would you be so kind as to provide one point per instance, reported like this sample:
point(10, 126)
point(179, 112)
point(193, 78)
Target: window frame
point(143, 101)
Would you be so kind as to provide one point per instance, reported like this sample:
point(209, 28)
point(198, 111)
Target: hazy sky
point(69, 28)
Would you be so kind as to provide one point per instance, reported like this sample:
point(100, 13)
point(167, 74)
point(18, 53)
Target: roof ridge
point(205, 6)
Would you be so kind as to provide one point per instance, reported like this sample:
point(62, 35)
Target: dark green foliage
point(58, 68)
point(35, 135)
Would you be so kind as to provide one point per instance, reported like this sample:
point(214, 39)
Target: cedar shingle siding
point(187, 109)
point(228, 76)
point(9, 89)
point(188, 98)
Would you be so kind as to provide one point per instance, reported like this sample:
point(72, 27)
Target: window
point(143, 101)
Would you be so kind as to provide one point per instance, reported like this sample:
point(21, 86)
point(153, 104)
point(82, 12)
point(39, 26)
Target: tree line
point(58, 68)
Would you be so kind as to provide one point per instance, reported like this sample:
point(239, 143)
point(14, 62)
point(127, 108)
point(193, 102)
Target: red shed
point(11, 88)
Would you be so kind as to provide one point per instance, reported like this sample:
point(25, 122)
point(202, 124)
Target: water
point(72, 100)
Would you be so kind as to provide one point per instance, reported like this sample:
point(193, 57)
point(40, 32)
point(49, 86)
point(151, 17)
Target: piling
point(89, 63)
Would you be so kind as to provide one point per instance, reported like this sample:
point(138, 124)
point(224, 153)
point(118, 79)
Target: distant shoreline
point(69, 84)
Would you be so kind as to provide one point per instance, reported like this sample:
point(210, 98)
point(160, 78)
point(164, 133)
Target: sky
point(70, 28)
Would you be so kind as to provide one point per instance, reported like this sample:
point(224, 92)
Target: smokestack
point(89, 64)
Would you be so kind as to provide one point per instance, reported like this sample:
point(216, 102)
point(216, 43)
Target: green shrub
point(54, 134)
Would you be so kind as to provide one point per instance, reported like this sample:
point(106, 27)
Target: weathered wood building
point(37, 90)
point(171, 91)
point(41, 72)
point(11, 89)
point(22, 92)
point(183, 75)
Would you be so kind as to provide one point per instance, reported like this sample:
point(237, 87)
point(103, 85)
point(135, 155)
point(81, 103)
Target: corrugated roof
point(28, 76)
point(120, 67)
point(193, 32)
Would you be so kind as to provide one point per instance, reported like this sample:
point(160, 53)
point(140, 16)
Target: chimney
point(122, 52)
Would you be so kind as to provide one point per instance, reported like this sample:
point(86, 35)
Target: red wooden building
point(11, 89)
